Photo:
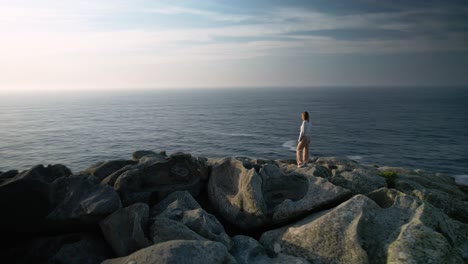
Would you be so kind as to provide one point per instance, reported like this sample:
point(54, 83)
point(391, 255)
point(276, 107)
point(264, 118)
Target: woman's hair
point(305, 116)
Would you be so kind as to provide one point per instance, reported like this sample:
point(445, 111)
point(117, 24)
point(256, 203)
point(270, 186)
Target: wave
point(461, 179)
point(355, 157)
point(230, 134)
point(290, 144)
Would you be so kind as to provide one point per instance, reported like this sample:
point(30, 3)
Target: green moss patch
point(388, 174)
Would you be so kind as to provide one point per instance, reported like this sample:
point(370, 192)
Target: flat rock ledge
point(178, 208)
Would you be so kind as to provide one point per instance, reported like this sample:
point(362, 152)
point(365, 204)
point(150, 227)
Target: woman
point(302, 150)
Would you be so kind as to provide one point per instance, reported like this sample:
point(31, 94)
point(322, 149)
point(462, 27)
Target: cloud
point(56, 41)
point(215, 16)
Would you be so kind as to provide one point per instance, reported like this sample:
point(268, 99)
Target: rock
point(24, 204)
point(236, 193)
point(152, 180)
point(453, 207)
point(337, 165)
point(311, 170)
point(294, 195)
point(256, 164)
point(82, 201)
point(105, 168)
point(345, 173)
point(137, 155)
point(428, 237)
point(360, 180)
point(164, 229)
point(110, 180)
point(362, 230)
point(424, 179)
point(78, 248)
point(8, 174)
point(181, 207)
point(45, 174)
point(247, 250)
point(251, 199)
point(439, 190)
point(176, 201)
point(327, 237)
point(125, 230)
point(25, 198)
point(183, 252)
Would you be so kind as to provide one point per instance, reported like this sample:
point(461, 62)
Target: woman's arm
point(301, 134)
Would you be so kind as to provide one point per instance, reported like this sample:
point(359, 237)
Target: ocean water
point(424, 128)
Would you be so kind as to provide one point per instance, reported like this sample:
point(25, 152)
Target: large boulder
point(391, 227)
point(139, 154)
point(439, 190)
point(360, 180)
point(250, 199)
point(236, 193)
point(44, 174)
point(179, 251)
point(126, 229)
point(357, 178)
point(7, 175)
point(75, 248)
point(294, 195)
point(182, 208)
point(311, 170)
point(80, 201)
point(103, 169)
point(25, 198)
point(152, 179)
point(247, 250)
point(337, 165)
point(164, 229)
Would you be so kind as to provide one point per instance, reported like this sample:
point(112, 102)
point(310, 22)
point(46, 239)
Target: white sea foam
point(355, 157)
point(290, 144)
point(220, 133)
point(461, 179)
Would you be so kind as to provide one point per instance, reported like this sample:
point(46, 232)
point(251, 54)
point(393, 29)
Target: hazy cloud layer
point(42, 39)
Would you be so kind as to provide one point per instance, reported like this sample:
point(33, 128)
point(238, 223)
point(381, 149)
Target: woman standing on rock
point(302, 150)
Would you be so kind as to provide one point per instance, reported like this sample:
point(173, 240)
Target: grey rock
point(337, 165)
point(311, 170)
point(294, 195)
point(360, 180)
point(137, 155)
point(251, 199)
point(110, 180)
point(236, 193)
point(247, 250)
point(176, 201)
point(152, 179)
point(180, 252)
point(80, 200)
point(164, 229)
point(103, 169)
point(25, 199)
point(391, 227)
point(439, 190)
point(45, 174)
point(77, 248)
point(126, 229)
point(8, 174)
point(181, 207)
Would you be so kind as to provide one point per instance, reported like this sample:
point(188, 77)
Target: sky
point(139, 44)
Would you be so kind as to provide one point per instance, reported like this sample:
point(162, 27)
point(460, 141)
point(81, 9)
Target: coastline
point(154, 202)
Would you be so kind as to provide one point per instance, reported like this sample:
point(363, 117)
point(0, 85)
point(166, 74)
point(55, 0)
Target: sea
point(414, 127)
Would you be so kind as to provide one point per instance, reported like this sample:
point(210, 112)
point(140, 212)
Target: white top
point(306, 129)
